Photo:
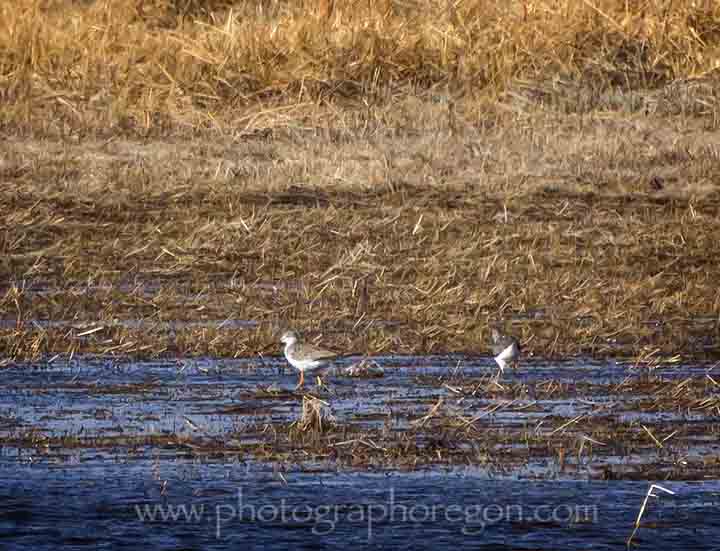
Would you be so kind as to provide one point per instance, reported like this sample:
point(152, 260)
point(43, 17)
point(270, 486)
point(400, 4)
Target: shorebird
point(506, 349)
point(305, 357)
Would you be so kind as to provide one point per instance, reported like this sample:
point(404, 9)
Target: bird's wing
point(505, 354)
point(317, 353)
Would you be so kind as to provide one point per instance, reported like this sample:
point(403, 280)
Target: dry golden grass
point(149, 67)
point(335, 165)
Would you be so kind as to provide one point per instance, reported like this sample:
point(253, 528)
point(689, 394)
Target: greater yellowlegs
point(506, 349)
point(305, 357)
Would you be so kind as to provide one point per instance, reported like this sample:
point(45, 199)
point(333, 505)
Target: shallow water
point(91, 447)
point(183, 504)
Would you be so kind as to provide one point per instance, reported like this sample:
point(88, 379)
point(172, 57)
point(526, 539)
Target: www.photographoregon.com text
point(325, 519)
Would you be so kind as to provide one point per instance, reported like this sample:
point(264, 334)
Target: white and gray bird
point(305, 357)
point(506, 349)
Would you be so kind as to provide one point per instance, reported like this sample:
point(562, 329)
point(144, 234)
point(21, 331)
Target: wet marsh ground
point(210, 452)
point(389, 178)
point(571, 420)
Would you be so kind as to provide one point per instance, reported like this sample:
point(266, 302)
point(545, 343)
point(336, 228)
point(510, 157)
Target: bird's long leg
point(498, 375)
point(302, 380)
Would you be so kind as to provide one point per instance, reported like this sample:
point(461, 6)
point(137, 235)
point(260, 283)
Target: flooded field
point(101, 452)
point(181, 182)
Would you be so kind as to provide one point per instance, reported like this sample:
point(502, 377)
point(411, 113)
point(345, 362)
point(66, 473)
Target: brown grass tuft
point(316, 416)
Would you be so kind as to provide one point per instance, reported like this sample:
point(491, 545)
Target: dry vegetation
point(553, 165)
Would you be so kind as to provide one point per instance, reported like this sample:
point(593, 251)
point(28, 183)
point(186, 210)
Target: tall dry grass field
point(159, 66)
point(338, 165)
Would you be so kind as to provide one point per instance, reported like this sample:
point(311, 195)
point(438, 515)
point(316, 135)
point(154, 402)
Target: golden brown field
point(390, 174)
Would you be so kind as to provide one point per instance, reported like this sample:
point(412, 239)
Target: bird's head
point(289, 337)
